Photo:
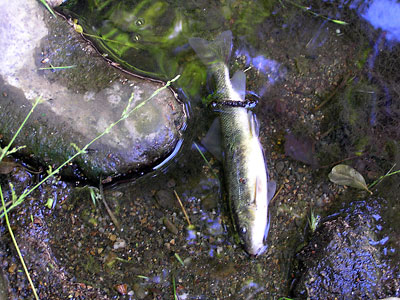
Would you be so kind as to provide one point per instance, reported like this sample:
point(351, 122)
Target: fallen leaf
point(346, 175)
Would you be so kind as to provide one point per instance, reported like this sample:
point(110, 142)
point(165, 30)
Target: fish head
point(253, 227)
point(253, 219)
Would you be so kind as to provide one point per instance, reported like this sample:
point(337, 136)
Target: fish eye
point(243, 229)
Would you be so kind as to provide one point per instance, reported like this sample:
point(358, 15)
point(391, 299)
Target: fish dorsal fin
point(239, 84)
point(253, 124)
point(215, 51)
point(212, 140)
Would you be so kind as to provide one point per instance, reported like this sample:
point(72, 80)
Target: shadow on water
point(329, 93)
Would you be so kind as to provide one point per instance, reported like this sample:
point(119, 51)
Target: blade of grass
point(179, 259)
point(48, 7)
point(5, 151)
point(307, 9)
point(174, 288)
point(389, 173)
point(58, 68)
point(205, 159)
point(16, 245)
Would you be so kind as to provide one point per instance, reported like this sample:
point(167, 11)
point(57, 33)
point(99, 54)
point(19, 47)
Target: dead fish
point(249, 189)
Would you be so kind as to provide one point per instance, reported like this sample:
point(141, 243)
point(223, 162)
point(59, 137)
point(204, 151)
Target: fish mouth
point(256, 251)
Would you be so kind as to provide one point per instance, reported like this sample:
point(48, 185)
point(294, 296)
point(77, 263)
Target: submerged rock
point(344, 259)
point(81, 101)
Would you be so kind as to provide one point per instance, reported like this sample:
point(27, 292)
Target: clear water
point(329, 94)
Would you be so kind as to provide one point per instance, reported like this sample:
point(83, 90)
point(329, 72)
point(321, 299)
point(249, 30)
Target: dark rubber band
point(248, 103)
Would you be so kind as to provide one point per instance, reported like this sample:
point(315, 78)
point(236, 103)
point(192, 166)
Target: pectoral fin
point(271, 190)
point(253, 124)
point(238, 82)
point(212, 140)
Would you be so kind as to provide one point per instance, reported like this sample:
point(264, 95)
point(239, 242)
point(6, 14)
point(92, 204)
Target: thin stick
point(276, 194)
point(112, 216)
point(183, 208)
point(340, 161)
point(16, 245)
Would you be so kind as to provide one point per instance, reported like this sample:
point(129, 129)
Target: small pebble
point(279, 167)
point(122, 288)
point(12, 268)
point(120, 243)
point(140, 292)
point(170, 226)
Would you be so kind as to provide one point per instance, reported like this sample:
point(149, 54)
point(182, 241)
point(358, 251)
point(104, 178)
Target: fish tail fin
point(210, 52)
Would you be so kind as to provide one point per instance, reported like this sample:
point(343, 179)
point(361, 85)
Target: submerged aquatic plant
point(313, 221)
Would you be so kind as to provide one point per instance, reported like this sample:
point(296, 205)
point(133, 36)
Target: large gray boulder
point(80, 102)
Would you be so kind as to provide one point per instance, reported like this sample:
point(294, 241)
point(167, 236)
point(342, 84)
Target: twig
point(183, 208)
point(276, 194)
point(340, 161)
point(112, 216)
point(345, 80)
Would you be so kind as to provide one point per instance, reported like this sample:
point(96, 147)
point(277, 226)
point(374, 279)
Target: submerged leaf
point(346, 175)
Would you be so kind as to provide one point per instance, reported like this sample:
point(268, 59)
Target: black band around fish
point(247, 103)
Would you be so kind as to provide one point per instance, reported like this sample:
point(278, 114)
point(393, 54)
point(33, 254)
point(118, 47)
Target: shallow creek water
point(329, 94)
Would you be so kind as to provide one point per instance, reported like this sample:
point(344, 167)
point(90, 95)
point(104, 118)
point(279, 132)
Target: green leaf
point(346, 175)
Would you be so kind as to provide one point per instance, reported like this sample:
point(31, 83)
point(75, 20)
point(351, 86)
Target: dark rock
point(80, 102)
point(343, 260)
point(301, 149)
point(166, 199)
point(170, 226)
